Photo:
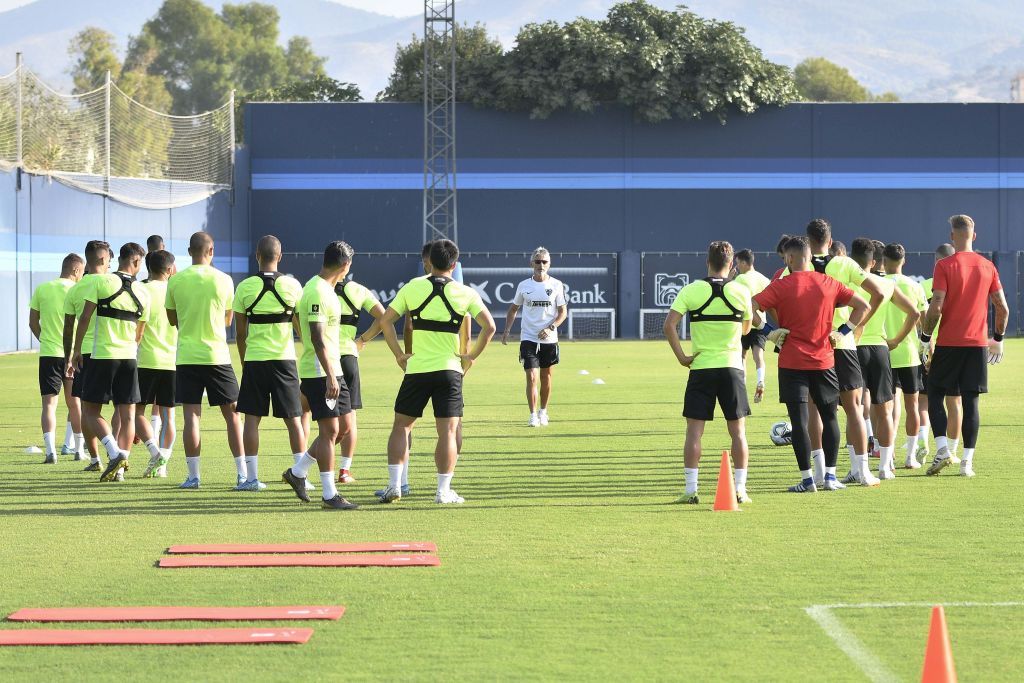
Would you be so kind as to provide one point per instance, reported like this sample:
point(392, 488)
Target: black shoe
point(113, 467)
point(92, 467)
point(339, 503)
point(298, 484)
point(50, 459)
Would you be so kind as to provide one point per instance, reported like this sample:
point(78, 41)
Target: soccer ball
point(781, 434)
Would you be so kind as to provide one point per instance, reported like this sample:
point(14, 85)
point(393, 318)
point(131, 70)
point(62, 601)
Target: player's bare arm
point(510, 317)
point(487, 330)
point(371, 333)
point(931, 318)
point(906, 305)
point(387, 326)
point(671, 330)
point(242, 333)
point(560, 316)
point(316, 337)
point(83, 326)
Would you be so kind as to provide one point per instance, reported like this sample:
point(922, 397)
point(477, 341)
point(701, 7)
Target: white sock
point(444, 482)
point(110, 443)
point(153, 449)
point(240, 467)
point(394, 476)
point(952, 444)
point(193, 466)
point(302, 464)
point(885, 458)
point(691, 480)
point(853, 454)
point(912, 446)
point(542, 411)
point(805, 474)
point(863, 468)
point(346, 463)
point(80, 443)
point(941, 442)
point(69, 436)
point(760, 375)
point(741, 478)
point(166, 453)
point(830, 470)
point(158, 424)
point(533, 414)
point(405, 472)
point(922, 435)
point(867, 424)
point(252, 467)
point(48, 443)
point(327, 483)
point(818, 464)
point(968, 457)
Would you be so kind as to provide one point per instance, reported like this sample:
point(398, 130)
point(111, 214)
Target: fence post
point(17, 117)
point(106, 137)
point(231, 198)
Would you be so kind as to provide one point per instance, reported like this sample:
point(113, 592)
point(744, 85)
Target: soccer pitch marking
point(856, 650)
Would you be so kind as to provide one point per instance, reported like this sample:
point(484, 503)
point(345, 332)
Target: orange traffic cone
point(725, 496)
point(938, 657)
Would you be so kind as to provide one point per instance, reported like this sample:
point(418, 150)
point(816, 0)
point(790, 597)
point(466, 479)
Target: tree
point(95, 55)
point(819, 80)
point(319, 88)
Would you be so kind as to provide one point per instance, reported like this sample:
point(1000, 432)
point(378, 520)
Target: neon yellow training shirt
point(74, 302)
point(48, 298)
point(160, 339)
point(268, 341)
point(435, 351)
point(114, 338)
point(201, 296)
point(752, 280)
point(875, 332)
point(319, 304)
point(717, 342)
point(908, 353)
point(361, 298)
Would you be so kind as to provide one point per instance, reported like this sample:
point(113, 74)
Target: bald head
point(943, 251)
point(268, 252)
point(200, 248)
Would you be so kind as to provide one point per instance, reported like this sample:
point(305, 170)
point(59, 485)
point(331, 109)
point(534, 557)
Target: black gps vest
point(349, 318)
point(419, 323)
point(105, 310)
point(821, 262)
point(717, 292)
point(285, 316)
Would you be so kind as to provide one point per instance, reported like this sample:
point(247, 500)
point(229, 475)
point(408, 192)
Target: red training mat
point(302, 561)
point(176, 613)
point(146, 636)
point(374, 547)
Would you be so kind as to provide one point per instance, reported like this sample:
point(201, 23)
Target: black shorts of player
point(111, 380)
point(156, 387)
point(78, 383)
point(910, 380)
point(800, 386)
point(536, 355)
point(924, 379)
point(315, 391)
point(877, 372)
point(350, 370)
point(51, 375)
point(266, 382)
point(217, 380)
point(959, 370)
point(724, 385)
point(753, 338)
point(442, 388)
point(848, 370)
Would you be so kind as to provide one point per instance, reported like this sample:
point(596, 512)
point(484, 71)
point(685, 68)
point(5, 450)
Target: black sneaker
point(113, 467)
point(92, 467)
point(339, 503)
point(50, 459)
point(298, 484)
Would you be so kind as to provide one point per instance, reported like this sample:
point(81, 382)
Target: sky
point(398, 8)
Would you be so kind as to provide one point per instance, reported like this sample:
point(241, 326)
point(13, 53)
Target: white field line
point(855, 649)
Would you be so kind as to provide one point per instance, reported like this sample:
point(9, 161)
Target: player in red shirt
point(803, 303)
point(963, 287)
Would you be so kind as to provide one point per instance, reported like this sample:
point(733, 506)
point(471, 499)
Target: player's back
point(201, 296)
point(753, 281)
point(121, 303)
point(434, 348)
point(160, 338)
point(907, 354)
point(967, 278)
point(716, 341)
point(255, 296)
point(48, 298)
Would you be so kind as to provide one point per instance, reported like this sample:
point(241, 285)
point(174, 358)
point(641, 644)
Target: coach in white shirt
point(542, 299)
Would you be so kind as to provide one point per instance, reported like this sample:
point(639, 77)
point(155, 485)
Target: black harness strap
point(349, 318)
point(269, 285)
point(419, 323)
point(717, 292)
point(820, 263)
point(105, 310)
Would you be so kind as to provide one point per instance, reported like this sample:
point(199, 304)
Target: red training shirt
point(778, 273)
point(805, 302)
point(967, 278)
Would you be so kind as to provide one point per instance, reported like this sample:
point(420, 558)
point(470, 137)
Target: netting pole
point(106, 136)
point(232, 143)
point(17, 117)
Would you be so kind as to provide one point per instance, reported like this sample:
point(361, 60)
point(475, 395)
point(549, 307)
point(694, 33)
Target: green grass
point(566, 561)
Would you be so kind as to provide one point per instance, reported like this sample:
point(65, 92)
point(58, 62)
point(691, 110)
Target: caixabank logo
point(667, 286)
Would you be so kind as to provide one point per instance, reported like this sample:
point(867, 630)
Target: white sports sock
point(818, 464)
point(93, 461)
point(542, 411)
point(941, 442)
point(741, 477)
point(444, 482)
point(922, 435)
point(69, 436)
point(884, 455)
point(296, 457)
point(157, 424)
point(166, 453)
point(952, 444)
point(110, 443)
point(533, 414)
point(760, 375)
point(912, 446)
point(691, 480)
point(327, 483)
point(48, 443)
point(394, 476)
point(240, 467)
point(193, 466)
point(80, 443)
point(405, 472)
point(968, 456)
point(867, 424)
point(153, 449)
point(863, 467)
point(252, 467)
point(830, 470)
point(302, 465)
point(805, 474)
point(346, 463)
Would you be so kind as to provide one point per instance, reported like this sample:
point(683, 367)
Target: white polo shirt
point(539, 302)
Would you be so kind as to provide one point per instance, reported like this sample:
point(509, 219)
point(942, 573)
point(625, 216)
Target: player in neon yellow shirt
point(265, 305)
point(116, 309)
point(720, 314)
point(754, 339)
point(46, 321)
point(157, 351)
point(322, 382)
point(954, 409)
point(162, 420)
point(198, 303)
point(434, 370)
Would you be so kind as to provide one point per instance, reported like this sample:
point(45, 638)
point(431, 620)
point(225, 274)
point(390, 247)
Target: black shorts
point(959, 370)
point(704, 387)
point(350, 370)
point(443, 388)
point(111, 380)
point(77, 383)
point(798, 386)
point(156, 387)
point(269, 381)
point(877, 372)
point(536, 355)
point(315, 391)
point(910, 380)
point(754, 338)
point(848, 370)
point(217, 380)
point(51, 375)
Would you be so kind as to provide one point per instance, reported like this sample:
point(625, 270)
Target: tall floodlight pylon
point(440, 214)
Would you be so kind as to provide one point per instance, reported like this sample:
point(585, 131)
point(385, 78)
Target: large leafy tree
point(819, 80)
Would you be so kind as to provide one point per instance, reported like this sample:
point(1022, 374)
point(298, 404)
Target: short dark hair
point(337, 254)
point(837, 248)
point(425, 252)
point(130, 250)
point(199, 242)
point(961, 221)
point(746, 256)
point(894, 252)
point(154, 243)
point(70, 262)
point(879, 248)
point(780, 248)
point(94, 250)
point(945, 250)
point(443, 254)
point(862, 250)
point(720, 254)
point(159, 261)
point(796, 243)
point(268, 248)
point(819, 231)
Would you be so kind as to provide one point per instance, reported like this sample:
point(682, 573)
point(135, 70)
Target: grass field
point(567, 560)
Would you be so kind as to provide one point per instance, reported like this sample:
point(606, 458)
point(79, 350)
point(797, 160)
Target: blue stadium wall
point(607, 183)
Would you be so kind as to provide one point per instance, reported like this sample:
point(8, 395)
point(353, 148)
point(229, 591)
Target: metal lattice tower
point(440, 215)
